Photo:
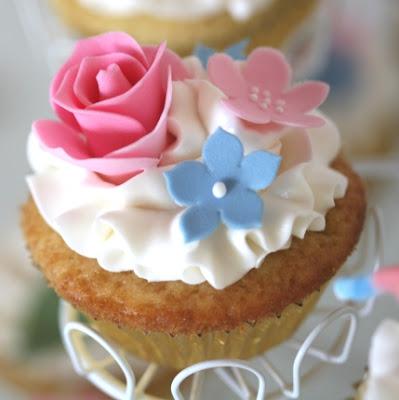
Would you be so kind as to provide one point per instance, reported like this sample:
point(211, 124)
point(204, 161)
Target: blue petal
point(242, 209)
point(259, 169)
point(203, 53)
point(354, 288)
point(222, 153)
point(189, 183)
point(198, 222)
point(237, 51)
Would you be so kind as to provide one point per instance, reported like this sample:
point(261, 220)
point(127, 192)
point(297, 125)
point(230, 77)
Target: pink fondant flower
point(112, 97)
point(258, 90)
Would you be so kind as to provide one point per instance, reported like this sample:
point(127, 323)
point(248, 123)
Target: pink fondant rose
point(112, 97)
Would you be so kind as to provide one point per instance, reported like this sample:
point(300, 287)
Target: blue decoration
point(222, 188)
point(236, 52)
point(354, 288)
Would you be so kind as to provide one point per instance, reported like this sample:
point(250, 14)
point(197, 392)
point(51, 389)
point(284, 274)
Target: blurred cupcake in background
point(184, 24)
point(382, 379)
point(358, 65)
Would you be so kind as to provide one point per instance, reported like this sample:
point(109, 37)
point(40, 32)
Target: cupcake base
point(180, 351)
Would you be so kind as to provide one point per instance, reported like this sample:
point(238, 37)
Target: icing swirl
point(134, 226)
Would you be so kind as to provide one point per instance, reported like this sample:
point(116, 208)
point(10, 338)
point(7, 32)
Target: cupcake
point(190, 209)
point(215, 23)
point(359, 67)
point(382, 380)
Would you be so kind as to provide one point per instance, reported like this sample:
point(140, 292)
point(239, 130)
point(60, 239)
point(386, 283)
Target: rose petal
point(267, 68)
point(65, 143)
point(155, 142)
point(226, 75)
point(53, 135)
point(85, 86)
point(107, 43)
point(144, 101)
point(107, 132)
point(112, 82)
point(65, 101)
point(170, 60)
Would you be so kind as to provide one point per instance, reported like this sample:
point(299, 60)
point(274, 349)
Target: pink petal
point(296, 149)
point(56, 135)
point(107, 132)
point(169, 60)
point(112, 42)
point(387, 280)
point(306, 97)
point(298, 120)
point(112, 82)
point(154, 143)
point(144, 102)
point(65, 143)
point(85, 86)
point(268, 69)
point(226, 75)
point(64, 101)
point(248, 111)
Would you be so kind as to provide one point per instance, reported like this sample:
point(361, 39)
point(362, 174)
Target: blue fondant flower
point(222, 188)
point(236, 52)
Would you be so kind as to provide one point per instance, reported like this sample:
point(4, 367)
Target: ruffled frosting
point(135, 226)
point(177, 9)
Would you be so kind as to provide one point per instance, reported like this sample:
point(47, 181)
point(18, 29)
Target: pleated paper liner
point(180, 351)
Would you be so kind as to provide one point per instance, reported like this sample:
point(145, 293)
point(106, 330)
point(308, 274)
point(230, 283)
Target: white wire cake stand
point(325, 338)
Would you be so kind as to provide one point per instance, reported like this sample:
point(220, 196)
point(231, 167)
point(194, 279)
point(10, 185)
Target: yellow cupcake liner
point(268, 27)
point(180, 351)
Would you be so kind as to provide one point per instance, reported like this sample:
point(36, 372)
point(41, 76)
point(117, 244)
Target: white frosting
point(176, 9)
point(383, 380)
point(135, 226)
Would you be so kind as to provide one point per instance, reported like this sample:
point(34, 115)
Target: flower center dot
point(219, 190)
